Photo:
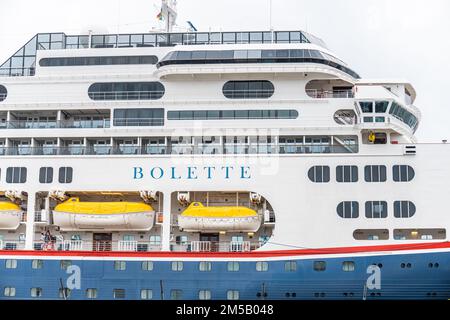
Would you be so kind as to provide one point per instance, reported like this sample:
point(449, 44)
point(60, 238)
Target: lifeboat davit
point(116, 216)
point(10, 216)
point(198, 218)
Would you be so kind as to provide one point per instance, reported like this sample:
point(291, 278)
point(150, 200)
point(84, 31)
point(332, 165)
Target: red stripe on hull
point(252, 254)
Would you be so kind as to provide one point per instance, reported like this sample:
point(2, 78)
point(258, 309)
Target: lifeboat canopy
point(10, 215)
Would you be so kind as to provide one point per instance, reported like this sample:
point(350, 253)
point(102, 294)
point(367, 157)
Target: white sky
point(407, 39)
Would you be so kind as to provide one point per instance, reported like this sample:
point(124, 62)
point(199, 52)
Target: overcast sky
point(406, 39)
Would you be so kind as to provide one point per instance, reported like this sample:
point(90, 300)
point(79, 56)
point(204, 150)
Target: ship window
point(9, 292)
point(258, 89)
point(375, 173)
point(346, 173)
point(119, 293)
point(290, 266)
point(319, 265)
point(126, 91)
point(371, 234)
point(37, 264)
point(403, 173)
point(138, 117)
point(204, 295)
point(404, 209)
point(376, 209)
point(348, 209)
point(177, 265)
point(3, 93)
point(46, 175)
point(176, 294)
point(231, 114)
point(381, 106)
point(65, 174)
point(36, 292)
point(232, 295)
point(366, 107)
point(348, 266)
point(262, 266)
point(233, 266)
point(64, 293)
point(403, 115)
point(146, 294)
point(319, 174)
point(204, 266)
point(120, 265)
point(419, 234)
point(16, 175)
point(91, 293)
point(97, 61)
point(147, 265)
point(64, 264)
point(11, 264)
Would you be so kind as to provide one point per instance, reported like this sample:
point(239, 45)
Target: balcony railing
point(214, 246)
point(52, 124)
point(126, 95)
point(12, 245)
point(334, 94)
point(81, 245)
point(282, 148)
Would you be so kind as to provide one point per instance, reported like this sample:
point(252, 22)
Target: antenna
point(168, 13)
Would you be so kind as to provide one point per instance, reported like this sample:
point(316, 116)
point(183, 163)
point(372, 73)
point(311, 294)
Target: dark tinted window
point(126, 91)
point(375, 173)
point(97, 61)
point(402, 173)
point(381, 106)
point(46, 175)
point(139, 117)
point(231, 114)
point(376, 209)
point(248, 89)
point(65, 174)
point(404, 209)
point(319, 174)
point(3, 93)
point(16, 175)
point(348, 209)
point(346, 173)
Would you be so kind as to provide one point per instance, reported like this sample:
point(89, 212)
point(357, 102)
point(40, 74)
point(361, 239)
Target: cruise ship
point(214, 165)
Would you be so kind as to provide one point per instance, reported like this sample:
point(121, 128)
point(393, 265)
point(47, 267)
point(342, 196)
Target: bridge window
point(319, 174)
point(146, 294)
point(375, 173)
point(46, 175)
point(3, 93)
point(16, 175)
point(126, 91)
point(402, 173)
point(404, 209)
point(97, 61)
point(371, 234)
point(381, 106)
point(346, 173)
point(420, 234)
point(348, 209)
point(261, 89)
point(376, 209)
point(139, 117)
point(403, 115)
point(65, 174)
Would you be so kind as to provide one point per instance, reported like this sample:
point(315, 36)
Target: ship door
point(102, 242)
point(213, 238)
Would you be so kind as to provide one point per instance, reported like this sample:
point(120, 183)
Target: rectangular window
point(65, 174)
point(375, 173)
point(139, 117)
point(262, 266)
point(16, 175)
point(348, 266)
point(120, 265)
point(46, 175)
point(147, 265)
point(290, 266)
point(319, 265)
point(232, 295)
point(233, 266)
point(177, 265)
point(420, 234)
point(402, 173)
point(347, 173)
point(37, 264)
point(176, 294)
point(204, 295)
point(371, 234)
point(11, 264)
point(376, 209)
point(366, 107)
point(91, 293)
point(9, 292)
point(119, 293)
point(36, 292)
point(205, 266)
point(146, 294)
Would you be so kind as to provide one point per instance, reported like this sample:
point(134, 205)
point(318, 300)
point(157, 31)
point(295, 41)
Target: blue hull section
point(405, 276)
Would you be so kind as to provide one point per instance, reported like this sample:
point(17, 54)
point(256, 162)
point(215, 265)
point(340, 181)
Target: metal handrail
point(126, 95)
point(52, 124)
point(339, 94)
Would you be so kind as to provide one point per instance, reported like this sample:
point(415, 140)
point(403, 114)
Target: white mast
point(169, 13)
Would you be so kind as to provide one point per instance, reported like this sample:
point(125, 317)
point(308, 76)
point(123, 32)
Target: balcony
point(99, 246)
point(213, 246)
point(332, 94)
point(52, 124)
